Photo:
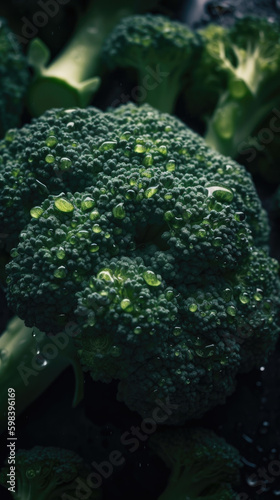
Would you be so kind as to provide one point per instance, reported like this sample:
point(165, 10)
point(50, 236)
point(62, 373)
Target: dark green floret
point(161, 51)
point(153, 244)
point(14, 79)
point(48, 473)
point(203, 465)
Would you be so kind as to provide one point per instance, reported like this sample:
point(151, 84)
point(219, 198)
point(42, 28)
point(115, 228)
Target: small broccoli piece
point(48, 473)
point(240, 66)
point(70, 80)
point(152, 243)
point(14, 79)
point(162, 52)
point(203, 465)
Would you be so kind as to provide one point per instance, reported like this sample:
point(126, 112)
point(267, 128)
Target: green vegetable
point(14, 79)
point(151, 243)
point(30, 362)
point(203, 465)
point(71, 79)
point(162, 52)
point(235, 82)
point(48, 473)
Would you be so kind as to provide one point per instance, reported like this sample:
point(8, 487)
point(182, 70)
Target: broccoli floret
point(14, 79)
point(240, 66)
point(152, 243)
point(48, 473)
point(203, 465)
point(162, 52)
point(70, 80)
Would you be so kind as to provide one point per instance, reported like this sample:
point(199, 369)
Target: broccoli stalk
point(202, 464)
point(70, 79)
point(162, 52)
point(239, 66)
point(28, 372)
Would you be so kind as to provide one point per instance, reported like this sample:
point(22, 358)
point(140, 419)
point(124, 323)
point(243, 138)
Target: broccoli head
point(160, 50)
point(203, 465)
point(149, 241)
point(14, 79)
point(48, 473)
point(240, 66)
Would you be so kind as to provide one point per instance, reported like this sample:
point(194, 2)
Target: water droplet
point(151, 278)
point(171, 166)
point(231, 311)
point(244, 298)
point(94, 215)
point(63, 205)
point(151, 191)
point(35, 212)
point(60, 253)
point(258, 295)
point(96, 228)
point(60, 272)
point(137, 330)
point(125, 303)
point(168, 216)
point(125, 136)
point(163, 149)
point(148, 160)
point(193, 307)
point(50, 158)
point(94, 248)
point(169, 294)
point(87, 203)
point(51, 141)
point(130, 195)
point(119, 211)
point(65, 163)
point(107, 145)
point(140, 148)
point(220, 193)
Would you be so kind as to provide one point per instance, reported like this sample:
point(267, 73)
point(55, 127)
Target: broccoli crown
point(153, 42)
point(46, 473)
point(248, 54)
point(203, 465)
point(14, 79)
point(153, 248)
point(139, 40)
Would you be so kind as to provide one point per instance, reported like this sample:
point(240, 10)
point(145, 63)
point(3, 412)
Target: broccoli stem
point(233, 122)
point(160, 88)
point(70, 79)
point(22, 368)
